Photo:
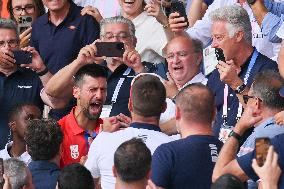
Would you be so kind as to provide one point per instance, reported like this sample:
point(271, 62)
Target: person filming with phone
point(22, 75)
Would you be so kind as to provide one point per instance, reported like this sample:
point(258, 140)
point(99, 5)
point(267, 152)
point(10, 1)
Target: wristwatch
point(235, 135)
point(251, 2)
point(240, 89)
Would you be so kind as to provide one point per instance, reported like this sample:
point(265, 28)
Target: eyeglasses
point(119, 36)
point(247, 97)
point(30, 8)
point(180, 54)
point(12, 43)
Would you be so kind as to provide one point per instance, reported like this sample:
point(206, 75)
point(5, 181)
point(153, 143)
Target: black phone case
point(179, 8)
point(110, 49)
point(219, 54)
point(22, 57)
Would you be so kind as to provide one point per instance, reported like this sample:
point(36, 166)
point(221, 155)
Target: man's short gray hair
point(117, 19)
point(237, 19)
point(9, 24)
point(16, 170)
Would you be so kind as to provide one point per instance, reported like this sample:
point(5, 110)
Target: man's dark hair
point(266, 86)
point(132, 160)
point(43, 138)
point(75, 176)
point(148, 96)
point(196, 101)
point(17, 109)
point(93, 70)
point(228, 181)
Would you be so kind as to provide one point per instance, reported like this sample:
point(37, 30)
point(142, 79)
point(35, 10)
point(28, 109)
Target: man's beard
point(91, 116)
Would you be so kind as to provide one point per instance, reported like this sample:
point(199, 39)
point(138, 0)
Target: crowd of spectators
point(142, 94)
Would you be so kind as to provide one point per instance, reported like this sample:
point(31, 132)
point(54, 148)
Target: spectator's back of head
point(266, 86)
point(228, 181)
point(18, 174)
point(132, 161)
point(75, 176)
point(148, 96)
point(43, 138)
point(196, 103)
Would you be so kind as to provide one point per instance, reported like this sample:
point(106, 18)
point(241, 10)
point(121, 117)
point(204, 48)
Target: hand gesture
point(249, 118)
point(92, 11)
point(228, 73)
point(171, 88)
point(124, 120)
point(279, 118)
point(87, 54)
point(37, 64)
point(154, 9)
point(132, 59)
point(7, 60)
point(270, 172)
point(177, 23)
point(25, 37)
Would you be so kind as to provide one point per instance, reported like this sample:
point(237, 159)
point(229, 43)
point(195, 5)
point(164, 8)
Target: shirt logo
point(24, 87)
point(74, 151)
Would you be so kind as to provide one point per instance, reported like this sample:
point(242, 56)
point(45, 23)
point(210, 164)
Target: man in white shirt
point(184, 57)
point(147, 102)
point(18, 121)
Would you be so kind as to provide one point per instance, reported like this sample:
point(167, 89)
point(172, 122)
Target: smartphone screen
point(1, 172)
point(22, 57)
point(261, 148)
point(110, 49)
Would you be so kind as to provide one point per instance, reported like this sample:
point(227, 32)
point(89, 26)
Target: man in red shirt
point(82, 124)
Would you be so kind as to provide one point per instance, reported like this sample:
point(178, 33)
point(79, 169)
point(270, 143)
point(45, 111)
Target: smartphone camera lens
point(120, 46)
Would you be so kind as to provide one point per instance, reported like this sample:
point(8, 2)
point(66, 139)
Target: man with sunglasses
point(262, 103)
point(17, 83)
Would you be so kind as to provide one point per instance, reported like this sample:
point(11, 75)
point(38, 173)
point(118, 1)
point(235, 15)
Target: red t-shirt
point(75, 143)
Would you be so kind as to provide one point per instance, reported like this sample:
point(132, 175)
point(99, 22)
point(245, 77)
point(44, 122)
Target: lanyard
point(226, 89)
point(118, 86)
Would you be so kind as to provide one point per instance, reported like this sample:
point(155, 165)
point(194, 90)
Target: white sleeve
point(93, 155)
point(202, 28)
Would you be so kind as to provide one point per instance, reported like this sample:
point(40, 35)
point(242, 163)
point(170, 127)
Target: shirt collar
point(199, 78)
point(75, 128)
point(265, 123)
point(145, 126)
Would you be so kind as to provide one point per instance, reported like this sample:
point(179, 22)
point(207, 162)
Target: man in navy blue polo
point(17, 84)
point(189, 162)
point(60, 34)
point(231, 32)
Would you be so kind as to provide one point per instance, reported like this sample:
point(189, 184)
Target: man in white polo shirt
point(147, 102)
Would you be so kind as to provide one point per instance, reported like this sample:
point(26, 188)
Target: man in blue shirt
point(44, 139)
point(189, 162)
point(17, 84)
point(231, 32)
point(262, 103)
point(59, 35)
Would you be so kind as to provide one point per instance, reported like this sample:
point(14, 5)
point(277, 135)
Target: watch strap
point(240, 89)
point(235, 135)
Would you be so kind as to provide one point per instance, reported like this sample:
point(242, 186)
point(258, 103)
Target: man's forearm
point(227, 154)
point(61, 84)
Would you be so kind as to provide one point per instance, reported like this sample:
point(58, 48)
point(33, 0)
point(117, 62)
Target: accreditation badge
point(225, 130)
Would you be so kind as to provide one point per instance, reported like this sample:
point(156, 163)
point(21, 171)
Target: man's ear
point(149, 174)
point(239, 36)
point(114, 171)
point(178, 113)
point(12, 125)
point(130, 108)
point(76, 92)
point(164, 107)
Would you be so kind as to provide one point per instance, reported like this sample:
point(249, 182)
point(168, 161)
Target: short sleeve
point(162, 166)
point(92, 161)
